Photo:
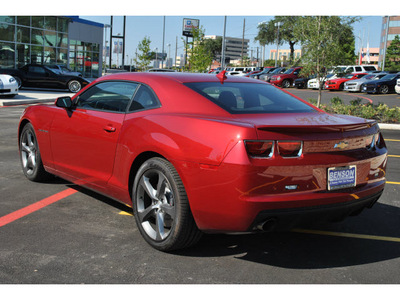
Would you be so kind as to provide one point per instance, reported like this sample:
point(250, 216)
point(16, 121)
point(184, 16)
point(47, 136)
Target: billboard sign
point(189, 25)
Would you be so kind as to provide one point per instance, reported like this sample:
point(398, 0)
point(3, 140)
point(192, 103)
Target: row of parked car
point(357, 78)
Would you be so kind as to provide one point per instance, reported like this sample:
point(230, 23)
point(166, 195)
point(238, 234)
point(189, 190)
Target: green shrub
point(380, 112)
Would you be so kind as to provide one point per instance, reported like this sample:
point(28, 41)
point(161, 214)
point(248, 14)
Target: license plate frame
point(341, 177)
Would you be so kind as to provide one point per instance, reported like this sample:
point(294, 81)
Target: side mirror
point(65, 102)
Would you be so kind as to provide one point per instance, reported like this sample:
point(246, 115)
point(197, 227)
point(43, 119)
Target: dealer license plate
point(341, 177)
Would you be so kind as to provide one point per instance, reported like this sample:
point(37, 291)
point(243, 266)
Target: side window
point(358, 69)
point(144, 99)
point(36, 70)
point(109, 96)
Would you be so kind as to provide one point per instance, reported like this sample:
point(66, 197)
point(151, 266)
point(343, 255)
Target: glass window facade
point(45, 40)
point(84, 57)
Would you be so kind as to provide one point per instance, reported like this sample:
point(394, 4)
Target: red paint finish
point(227, 186)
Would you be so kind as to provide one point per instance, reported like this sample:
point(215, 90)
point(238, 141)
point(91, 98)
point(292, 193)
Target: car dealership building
point(66, 40)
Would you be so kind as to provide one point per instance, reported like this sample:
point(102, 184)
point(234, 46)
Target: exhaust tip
point(267, 225)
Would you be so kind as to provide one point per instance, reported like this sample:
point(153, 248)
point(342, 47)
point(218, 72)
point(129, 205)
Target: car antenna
point(221, 76)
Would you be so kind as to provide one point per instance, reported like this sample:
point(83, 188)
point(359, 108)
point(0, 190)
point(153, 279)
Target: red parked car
point(286, 79)
point(338, 83)
point(194, 153)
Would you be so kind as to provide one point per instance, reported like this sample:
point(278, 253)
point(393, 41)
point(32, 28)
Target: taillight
point(369, 142)
point(290, 148)
point(373, 141)
point(263, 149)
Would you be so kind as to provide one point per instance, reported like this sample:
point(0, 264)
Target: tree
point(214, 46)
point(326, 41)
point(267, 32)
point(145, 56)
point(200, 55)
point(392, 61)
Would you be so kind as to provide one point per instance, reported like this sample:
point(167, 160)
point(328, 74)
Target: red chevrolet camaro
point(194, 153)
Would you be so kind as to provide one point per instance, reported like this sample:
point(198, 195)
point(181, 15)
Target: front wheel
point(286, 83)
point(384, 89)
point(74, 86)
point(31, 160)
point(161, 207)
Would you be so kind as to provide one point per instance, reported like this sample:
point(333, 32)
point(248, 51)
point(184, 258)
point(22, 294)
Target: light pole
point(277, 44)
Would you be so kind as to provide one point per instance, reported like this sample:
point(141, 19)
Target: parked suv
point(286, 79)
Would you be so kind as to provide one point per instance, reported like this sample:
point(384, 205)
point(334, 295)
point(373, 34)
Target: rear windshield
point(249, 98)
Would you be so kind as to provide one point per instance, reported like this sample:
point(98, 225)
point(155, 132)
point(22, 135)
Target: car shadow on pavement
point(312, 251)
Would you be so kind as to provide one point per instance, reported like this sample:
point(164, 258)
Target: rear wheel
point(161, 207)
point(31, 160)
point(74, 86)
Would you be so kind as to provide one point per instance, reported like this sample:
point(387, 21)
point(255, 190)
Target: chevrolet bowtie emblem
point(341, 145)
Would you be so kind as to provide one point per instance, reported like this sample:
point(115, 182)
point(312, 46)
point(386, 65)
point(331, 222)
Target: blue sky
point(137, 27)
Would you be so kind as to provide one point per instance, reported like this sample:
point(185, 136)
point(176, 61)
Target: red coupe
point(194, 153)
point(338, 83)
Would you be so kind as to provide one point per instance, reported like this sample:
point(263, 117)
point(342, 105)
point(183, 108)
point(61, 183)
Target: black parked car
point(384, 85)
point(40, 76)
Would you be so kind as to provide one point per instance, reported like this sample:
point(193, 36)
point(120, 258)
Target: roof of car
point(181, 77)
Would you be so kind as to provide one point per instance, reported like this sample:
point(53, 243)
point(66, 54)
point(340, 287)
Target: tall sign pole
point(223, 47)
point(188, 26)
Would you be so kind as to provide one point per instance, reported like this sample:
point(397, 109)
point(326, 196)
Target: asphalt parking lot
point(58, 233)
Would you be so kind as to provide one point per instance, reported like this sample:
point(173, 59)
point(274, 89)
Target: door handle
point(109, 128)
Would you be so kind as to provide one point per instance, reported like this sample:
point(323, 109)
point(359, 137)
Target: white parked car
point(8, 86)
point(397, 87)
point(314, 83)
point(235, 71)
point(355, 85)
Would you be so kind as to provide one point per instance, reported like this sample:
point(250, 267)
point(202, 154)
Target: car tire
point(30, 157)
point(341, 87)
point(161, 207)
point(286, 83)
point(19, 81)
point(74, 86)
point(384, 89)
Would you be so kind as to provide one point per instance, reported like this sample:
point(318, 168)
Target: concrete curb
point(23, 102)
point(389, 126)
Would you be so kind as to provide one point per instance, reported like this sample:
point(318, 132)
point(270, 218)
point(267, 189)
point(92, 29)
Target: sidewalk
point(32, 96)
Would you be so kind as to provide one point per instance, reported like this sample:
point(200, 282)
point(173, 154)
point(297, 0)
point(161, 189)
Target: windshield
point(389, 77)
point(369, 76)
point(249, 98)
point(289, 71)
point(276, 71)
point(348, 76)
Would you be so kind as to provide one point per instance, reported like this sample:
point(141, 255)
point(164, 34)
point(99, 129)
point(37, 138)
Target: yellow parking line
point(391, 155)
point(124, 213)
point(391, 140)
point(349, 235)
point(392, 182)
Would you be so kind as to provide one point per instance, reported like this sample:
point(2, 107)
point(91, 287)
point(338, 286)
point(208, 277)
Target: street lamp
point(277, 44)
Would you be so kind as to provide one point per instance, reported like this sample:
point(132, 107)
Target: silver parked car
point(355, 85)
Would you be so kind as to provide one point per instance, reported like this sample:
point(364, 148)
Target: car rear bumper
point(284, 219)
point(231, 197)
